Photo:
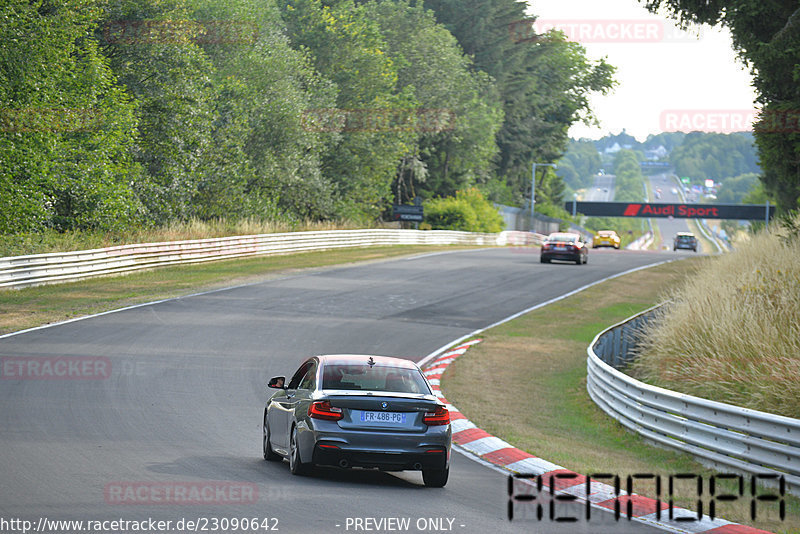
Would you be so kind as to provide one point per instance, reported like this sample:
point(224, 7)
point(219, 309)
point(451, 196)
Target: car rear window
point(561, 238)
point(685, 238)
point(374, 378)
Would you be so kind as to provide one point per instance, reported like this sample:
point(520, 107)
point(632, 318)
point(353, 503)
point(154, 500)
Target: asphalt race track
point(669, 227)
point(183, 401)
point(602, 190)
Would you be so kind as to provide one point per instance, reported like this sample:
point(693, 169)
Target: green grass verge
point(537, 365)
point(35, 306)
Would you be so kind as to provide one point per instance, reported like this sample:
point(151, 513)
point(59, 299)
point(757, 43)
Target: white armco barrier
point(727, 437)
point(25, 271)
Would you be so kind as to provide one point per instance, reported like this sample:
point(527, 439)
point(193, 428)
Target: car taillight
point(440, 417)
point(324, 410)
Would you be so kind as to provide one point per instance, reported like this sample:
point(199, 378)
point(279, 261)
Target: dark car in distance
point(564, 246)
point(360, 411)
point(684, 240)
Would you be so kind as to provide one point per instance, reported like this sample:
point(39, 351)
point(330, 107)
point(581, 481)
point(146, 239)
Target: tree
point(629, 181)
point(543, 81)
point(347, 48)
point(734, 189)
point(715, 156)
point(468, 211)
point(766, 36)
point(433, 68)
point(579, 164)
point(267, 162)
point(152, 49)
point(66, 125)
point(669, 140)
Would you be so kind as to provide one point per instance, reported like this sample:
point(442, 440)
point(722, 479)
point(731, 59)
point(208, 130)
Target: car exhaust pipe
point(344, 463)
point(418, 466)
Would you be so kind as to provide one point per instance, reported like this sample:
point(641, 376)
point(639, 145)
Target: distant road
point(602, 190)
point(668, 227)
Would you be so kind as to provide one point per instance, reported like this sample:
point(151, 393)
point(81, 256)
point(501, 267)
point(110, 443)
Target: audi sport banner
point(680, 211)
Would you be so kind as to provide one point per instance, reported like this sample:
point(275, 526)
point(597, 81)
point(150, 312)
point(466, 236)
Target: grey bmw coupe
point(358, 411)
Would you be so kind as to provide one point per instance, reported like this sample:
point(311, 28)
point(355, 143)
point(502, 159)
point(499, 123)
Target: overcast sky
point(666, 76)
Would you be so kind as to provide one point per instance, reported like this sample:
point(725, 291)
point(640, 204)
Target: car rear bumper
point(434, 458)
point(328, 444)
point(561, 256)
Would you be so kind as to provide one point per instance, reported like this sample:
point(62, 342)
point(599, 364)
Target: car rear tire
point(296, 466)
point(269, 454)
point(544, 260)
point(435, 478)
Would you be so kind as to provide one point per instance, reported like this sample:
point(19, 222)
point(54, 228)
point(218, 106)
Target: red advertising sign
point(679, 211)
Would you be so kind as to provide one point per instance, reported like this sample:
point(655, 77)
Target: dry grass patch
point(732, 332)
point(531, 391)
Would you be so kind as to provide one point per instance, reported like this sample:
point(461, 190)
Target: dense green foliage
point(543, 83)
point(468, 211)
point(66, 125)
point(734, 190)
point(629, 181)
point(767, 37)
point(714, 156)
point(119, 114)
point(668, 140)
point(579, 164)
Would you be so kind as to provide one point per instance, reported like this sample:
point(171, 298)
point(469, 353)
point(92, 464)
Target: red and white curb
point(497, 452)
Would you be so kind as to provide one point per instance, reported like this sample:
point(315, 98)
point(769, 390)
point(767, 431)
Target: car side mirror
point(277, 382)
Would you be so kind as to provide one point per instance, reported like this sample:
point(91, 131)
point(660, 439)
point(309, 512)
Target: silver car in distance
point(358, 411)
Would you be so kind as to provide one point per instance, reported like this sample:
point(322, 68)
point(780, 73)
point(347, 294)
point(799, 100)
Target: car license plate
point(393, 418)
point(561, 248)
